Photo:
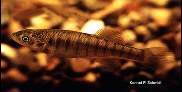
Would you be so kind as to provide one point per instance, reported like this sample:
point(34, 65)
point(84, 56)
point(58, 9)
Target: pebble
point(3, 76)
point(4, 17)
point(90, 77)
point(96, 4)
point(4, 64)
point(143, 31)
point(42, 59)
point(127, 65)
point(128, 36)
point(79, 64)
point(70, 24)
point(135, 16)
point(152, 26)
point(178, 45)
point(19, 76)
point(161, 16)
point(159, 2)
point(139, 45)
point(124, 21)
point(27, 58)
point(46, 20)
point(13, 90)
point(114, 6)
point(52, 64)
point(155, 43)
point(14, 26)
point(146, 74)
point(92, 26)
point(8, 51)
point(178, 38)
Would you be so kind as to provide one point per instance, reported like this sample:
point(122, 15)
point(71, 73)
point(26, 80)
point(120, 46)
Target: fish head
point(34, 39)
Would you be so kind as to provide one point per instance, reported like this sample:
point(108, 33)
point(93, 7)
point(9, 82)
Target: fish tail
point(158, 57)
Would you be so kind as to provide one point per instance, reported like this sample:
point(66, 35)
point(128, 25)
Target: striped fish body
point(64, 43)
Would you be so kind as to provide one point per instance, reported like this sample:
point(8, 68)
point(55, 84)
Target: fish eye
point(25, 39)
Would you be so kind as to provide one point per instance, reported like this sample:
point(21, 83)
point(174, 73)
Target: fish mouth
point(13, 36)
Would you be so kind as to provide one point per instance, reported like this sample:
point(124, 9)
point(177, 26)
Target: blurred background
point(142, 23)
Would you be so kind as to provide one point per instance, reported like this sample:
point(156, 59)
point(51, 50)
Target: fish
point(72, 44)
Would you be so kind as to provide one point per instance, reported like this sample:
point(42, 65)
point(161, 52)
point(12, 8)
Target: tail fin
point(158, 58)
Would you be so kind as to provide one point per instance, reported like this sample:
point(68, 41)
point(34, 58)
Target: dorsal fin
point(110, 34)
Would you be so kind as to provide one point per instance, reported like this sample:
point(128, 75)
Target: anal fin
point(111, 64)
